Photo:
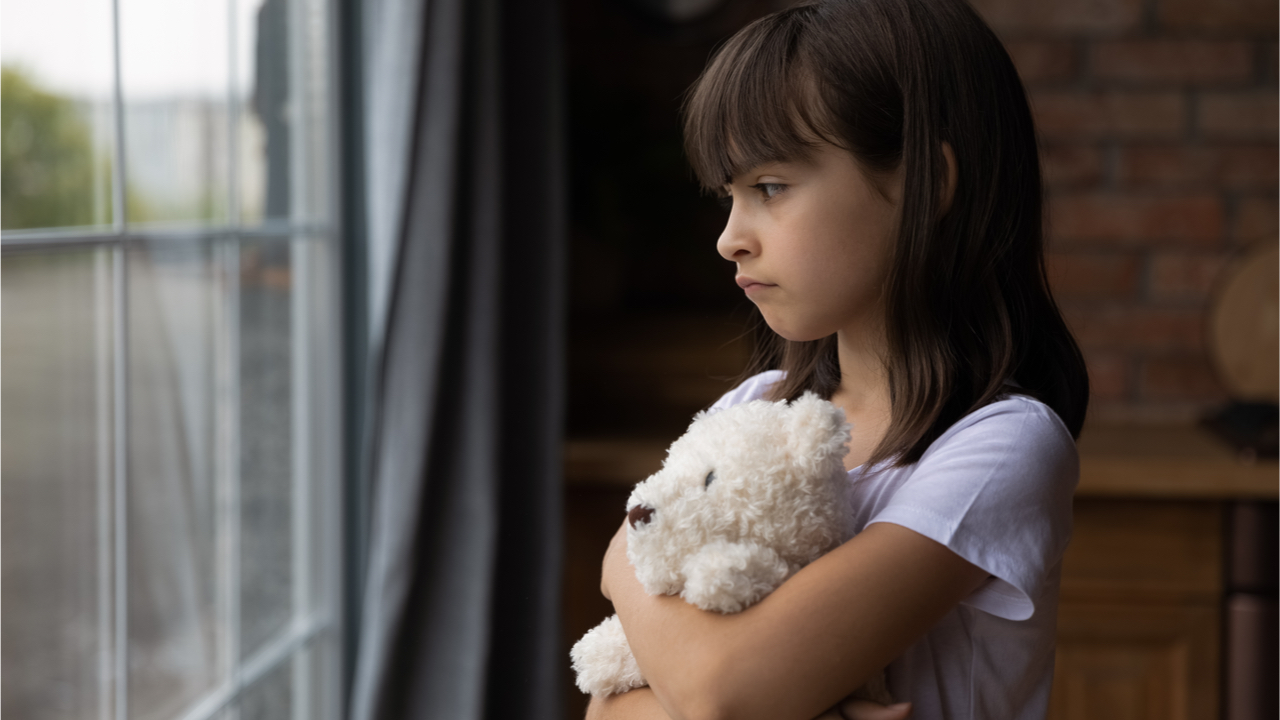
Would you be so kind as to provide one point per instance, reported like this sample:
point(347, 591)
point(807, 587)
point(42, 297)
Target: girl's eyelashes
point(769, 190)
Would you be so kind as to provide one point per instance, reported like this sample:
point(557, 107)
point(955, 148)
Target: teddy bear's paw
point(729, 577)
point(603, 661)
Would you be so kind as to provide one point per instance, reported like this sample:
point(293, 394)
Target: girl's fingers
point(867, 710)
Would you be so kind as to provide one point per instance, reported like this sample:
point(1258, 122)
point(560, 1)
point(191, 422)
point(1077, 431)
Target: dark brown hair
point(967, 302)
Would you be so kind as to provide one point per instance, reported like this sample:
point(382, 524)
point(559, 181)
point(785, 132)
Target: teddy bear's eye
point(711, 476)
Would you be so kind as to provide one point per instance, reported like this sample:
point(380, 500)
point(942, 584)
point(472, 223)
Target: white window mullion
point(233, 117)
point(302, 505)
point(103, 344)
point(227, 413)
point(301, 211)
point(120, 476)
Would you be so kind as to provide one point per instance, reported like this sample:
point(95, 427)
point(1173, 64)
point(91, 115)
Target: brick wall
point(1158, 120)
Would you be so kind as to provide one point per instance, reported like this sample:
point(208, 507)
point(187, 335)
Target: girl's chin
point(792, 332)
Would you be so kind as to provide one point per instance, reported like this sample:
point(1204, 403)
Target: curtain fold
point(461, 605)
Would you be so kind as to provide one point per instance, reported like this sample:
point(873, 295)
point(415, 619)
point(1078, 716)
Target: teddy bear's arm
point(729, 577)
point(603, 660)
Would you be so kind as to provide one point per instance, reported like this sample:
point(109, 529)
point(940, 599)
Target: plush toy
point(745, 498)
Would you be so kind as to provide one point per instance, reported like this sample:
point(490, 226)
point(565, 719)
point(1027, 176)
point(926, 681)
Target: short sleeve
point(996, 489)
point(753, 388)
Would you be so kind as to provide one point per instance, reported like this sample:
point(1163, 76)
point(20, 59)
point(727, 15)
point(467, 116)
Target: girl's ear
point(949, 191)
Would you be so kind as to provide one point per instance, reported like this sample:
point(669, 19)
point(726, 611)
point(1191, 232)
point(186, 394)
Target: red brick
point(1060, 16)
point(1180, 378)
point(1114, 327)
point(1196, 62)
point(1044, 61)
point(1109, 376)
point(1096, 219)
point(1115, 113)
point(1080, 275)
point(1147, 412)
point(1184, 276)
point(1072, 165)
point(1235, 166)
point(1257, 220)
point(1241, 116)
point(1249, 17)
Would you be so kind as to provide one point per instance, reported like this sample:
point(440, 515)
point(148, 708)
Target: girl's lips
point(757, 287)
point(751, 285)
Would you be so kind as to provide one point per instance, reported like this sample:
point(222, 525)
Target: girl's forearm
point(639, 704)
point(801, 649)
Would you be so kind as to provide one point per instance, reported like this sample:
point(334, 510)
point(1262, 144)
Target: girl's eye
point(711, 476)
point(725, 201)
point(769, 190)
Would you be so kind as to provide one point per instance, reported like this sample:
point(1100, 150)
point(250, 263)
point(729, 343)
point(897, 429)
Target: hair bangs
point(755, 103)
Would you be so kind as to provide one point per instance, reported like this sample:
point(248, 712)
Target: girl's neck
point(863, 393)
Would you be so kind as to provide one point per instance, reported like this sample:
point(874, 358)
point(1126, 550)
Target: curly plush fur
point(745, 498)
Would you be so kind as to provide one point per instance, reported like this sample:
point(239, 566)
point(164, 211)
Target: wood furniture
point(1140, 623)
point(1142, 584)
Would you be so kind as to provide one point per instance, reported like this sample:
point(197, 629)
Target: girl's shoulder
point(1016, 421)
point(1016, 417)
point(753, 388)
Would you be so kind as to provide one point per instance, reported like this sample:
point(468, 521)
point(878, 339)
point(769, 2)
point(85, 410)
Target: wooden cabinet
point(1121, 661)
point(1140, 621)
point(1138, 631)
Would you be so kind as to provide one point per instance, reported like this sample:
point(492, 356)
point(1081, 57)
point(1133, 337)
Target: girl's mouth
point(750, 285)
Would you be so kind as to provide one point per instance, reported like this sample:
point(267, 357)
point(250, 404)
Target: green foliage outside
point(47, 159)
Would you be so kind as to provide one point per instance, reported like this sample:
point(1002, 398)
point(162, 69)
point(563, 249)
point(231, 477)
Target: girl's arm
point(803, 647)
point(640, 704)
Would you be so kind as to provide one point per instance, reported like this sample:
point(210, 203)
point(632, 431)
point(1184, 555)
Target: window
point(170, 382)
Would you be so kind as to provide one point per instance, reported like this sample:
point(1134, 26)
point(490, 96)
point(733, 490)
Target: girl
point(881, 165)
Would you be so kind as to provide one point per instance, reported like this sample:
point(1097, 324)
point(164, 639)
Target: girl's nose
point(737, 242)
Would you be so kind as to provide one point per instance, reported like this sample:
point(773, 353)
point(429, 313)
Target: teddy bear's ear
point(815, 428)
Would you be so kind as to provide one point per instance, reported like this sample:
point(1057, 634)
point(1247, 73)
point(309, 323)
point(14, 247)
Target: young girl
point(882, 167)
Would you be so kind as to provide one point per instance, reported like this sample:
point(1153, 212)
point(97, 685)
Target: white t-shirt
point(996, 489)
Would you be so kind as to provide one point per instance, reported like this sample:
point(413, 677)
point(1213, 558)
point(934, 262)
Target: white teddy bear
point(745, 498)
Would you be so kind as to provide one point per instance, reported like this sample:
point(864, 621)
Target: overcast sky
point(170, 47)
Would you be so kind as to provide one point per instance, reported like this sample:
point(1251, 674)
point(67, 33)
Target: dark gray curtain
point(460, 613)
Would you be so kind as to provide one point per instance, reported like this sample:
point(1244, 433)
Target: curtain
point(459, 617)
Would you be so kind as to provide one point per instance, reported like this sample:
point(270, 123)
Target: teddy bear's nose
point(639, 515)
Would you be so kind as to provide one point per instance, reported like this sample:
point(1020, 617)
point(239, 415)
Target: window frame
point(320, 438)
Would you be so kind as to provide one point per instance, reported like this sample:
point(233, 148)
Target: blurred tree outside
point(51, 173)
point(47, 158)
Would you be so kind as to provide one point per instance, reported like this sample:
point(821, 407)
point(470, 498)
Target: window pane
point(271, 697)
point(175, 66)
point(266, 442)
point(174, 522)
point(56, 123)
point(298, 688)
point(55, 497)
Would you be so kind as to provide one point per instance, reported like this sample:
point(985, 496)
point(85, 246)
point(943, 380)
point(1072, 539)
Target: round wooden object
point(1244, 329)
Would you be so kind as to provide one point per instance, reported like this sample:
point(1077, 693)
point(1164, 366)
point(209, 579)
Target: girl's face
point(812, 242)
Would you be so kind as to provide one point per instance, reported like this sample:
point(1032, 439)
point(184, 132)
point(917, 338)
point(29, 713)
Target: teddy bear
point(745, 498)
